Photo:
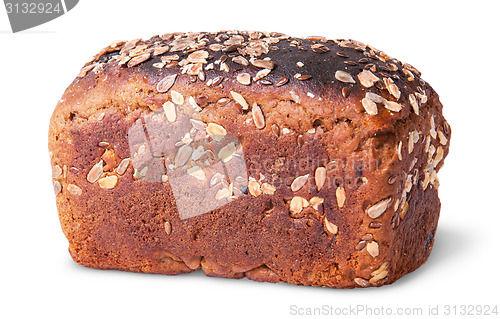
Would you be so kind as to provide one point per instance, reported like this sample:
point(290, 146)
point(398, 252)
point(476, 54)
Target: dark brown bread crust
point(372, 221)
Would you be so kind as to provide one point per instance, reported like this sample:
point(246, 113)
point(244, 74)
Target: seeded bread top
point(361, 80)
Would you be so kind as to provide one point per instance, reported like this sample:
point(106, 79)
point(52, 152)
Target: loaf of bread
point(249, 154)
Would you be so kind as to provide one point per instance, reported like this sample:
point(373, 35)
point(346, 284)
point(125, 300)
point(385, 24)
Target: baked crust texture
point(249, 154)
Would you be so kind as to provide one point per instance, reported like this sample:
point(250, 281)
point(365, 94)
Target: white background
point(454, 44)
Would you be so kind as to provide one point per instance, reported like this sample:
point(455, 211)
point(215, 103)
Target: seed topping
point(378, 209)
point(166, 83)
point(258, 116)
point(216, 131)
point(340, 194)
point(345, 77)
point(370, 106)
point(95, 172)
point(108, 182)
point(299, 182)
point(367, 78)
point(73, 189)
point(372, 248)
point(330, 227)
point(320, 177)
point(169, 109)
point(239, 99)
point(243, 78)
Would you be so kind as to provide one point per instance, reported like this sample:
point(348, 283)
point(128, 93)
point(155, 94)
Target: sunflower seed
point(197, 173)
point(345, 92)
point(224, 67)
point(297, 204)
point(217, 80)
point(168, 228)
point(369, 106)
point(413, 137)
point(258, 116)
point(95, 172)
point(240, 60)
point(342, 54)
point(177, 98)
point(340, 194)
point(216, 47)
point(442, 138)
point(299, 182)
point(282, 81)
point(264, 64)
point(404, 210)
point(268, 189)
point(86, 69)
point(392, 106)
point(372, 248)
point(57, 187)
point(400, 146)
point(392, 179)
point(345, 77)
point(319, 48)
point(254, 188)
point(378, 209)
point(361, 282)
point(361, 245)
point(330, 227)
point(243, 78)
point(439, 156)
point(122, 167)
point(198, 57)
point(303, 77)
point(316, 201)
point(367, 237)
point(276, 130)
point(140, 174)
point(216, 131)
point(380, 269)
point(320, 177)
point(413, 103)
point(170, 112)
point(223, 101)
point(138, 59)
point(432, 130)
point(216, 178)
point(262, 73)
point(392, 88)
point(166, 83)
point(108, 182)
point(223, 193)
point(73, 189)
point(239, 99)
point(367, 78)
point(379, 276)
point(375, 97)
point(422, 97)
point(197, 124)
point(226, 153)
point(183, 155)
point(56, 171)
point(160, 50)
point(375, 225)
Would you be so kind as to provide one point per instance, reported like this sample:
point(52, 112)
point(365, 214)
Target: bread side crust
point(257, 236)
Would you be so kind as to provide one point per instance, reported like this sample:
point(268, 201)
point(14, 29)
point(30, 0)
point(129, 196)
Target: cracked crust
point(321, 121)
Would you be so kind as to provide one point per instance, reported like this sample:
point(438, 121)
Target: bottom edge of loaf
point(170, 266)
